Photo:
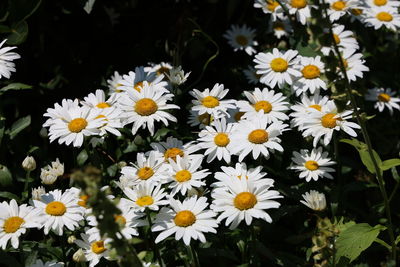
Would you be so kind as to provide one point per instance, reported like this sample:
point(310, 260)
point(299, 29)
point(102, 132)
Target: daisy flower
point(251, 75)
point(59, 210)
point(153, 168)
point(75, 124)
point(114, 84)
point(241, 38)
point(173, 147)
point(40, 263)
point(187, 220)
point(256, 136)
point(269, 7)
point(144, 195)
point(343, 39)
point(312, 165)
point(314, 200)
point(199, 120)
point(302, 109)
point(98, 100)
point(383, 16)
point(382, 3)
point(14, 221)
point(211, 102)
point(322, 124)
point(383, 98)
point(310, 80)
point(94, 251)
point(240, 171)
point(111, 118)
point(216, 140)
point(269, 103)
point(6, 60)
point(57, 112)
point(338, 8)
point(280, 28)
point(136, 79)
point(277, 68)
point(144, 107)
point(159, 69)
point(185, 175)
point(354, 64)
point(242, 200)
point(300, 8)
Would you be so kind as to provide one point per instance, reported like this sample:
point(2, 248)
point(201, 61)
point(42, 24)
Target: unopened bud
point(79, 256)
point(29, 164)
point(71, 239)
point(37, 193)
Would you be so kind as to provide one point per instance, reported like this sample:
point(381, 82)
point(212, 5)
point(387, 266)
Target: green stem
point(193, 253)
point(28, 174)
point(394, 191)
point(366, 137)
point(155, 248)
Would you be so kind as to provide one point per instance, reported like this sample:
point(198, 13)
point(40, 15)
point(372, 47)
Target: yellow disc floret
point(12, 224)
point(258, 136)
point(329, 120)
point(242, 40)
point(146, 107)
point(172, 153)
point(272, 5)
point(298, 4)
point(316, 106)
point(121, 220)
point(103, 105)
point(384, 97)
point(279, 65)
point(184, 218)
point(138, 86)
point(83, 201)
point(77, 125)
point(380, 2)
point(384, 16)
point(56, 208)
point(263, 105)
point(310, 72)
point(311, 165)
point(245, 201)
point(339, 5)
point(98, 247)
point(145, 173)
point(210, 102)
point(183, 176)
point(221, 139)
point(144, 201)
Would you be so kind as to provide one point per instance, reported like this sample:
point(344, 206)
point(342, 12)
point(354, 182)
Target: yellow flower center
point(317, 107)
point(138, 86)
point(310, 72)
point(356, 11)
point(336, 38)
point(263, 105)
point(242, 40)
point(120, 220)
point(146, 107)
point(384, 16)
point(210, 102)
point(12, 224)
point(98, 247)
point(221, 139)
point(339, 5)
point(298, 3)
point(328, 120)
point(258, 136)
point(245, 201)
point(272, 5)
point(171, 153)
point(184, 218)
point(162, 70)
point(145, 201)
point(311, 165)
point(56, 208)
point(83, 200)
point(279, 65)
point(77, 125)
point(183, 176)
point(279, 26)
point(145, 173)
point(103, 105)
point(204, 118)
point(380, 2)
point(238, 115)
point(384, 97)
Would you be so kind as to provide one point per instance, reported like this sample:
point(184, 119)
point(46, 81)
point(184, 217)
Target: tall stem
point(155, 248)
point(28, 174)
point(366, 137)
point(194, 256)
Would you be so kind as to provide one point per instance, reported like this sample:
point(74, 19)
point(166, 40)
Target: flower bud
point(79, 256)
point(29, 164)
point(58, 167)
point(48, 176)
point(71, 239)
point(38, 192)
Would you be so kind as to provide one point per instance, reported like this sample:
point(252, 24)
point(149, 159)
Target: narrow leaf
point(19, 125)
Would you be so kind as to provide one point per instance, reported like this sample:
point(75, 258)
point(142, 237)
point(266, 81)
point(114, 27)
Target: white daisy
point(343, 39)
point(59, 210)
point(382, 3)
point(187, 220)
point(257, 137)
point(75, 124)
point(338, 8)
point(111, 119)
point(269, 7)
point(144, 195)
point(98, 100)
point(280, 28)
point(185, 175)
point(173, 147)
point(114, 84)
point(94, 251)
point(211, 102)
point(57, 112)
point(312, 165)
point(241, 38)
point(271, 104)
point(277, 68)
point(383, 16)
point(216, 140)
point(6, 60)
point(354, 64)
point(159, 69)
point(251, 75)
point(302, 109)
point(310, 80)
point(300, 8)
point(135, 80)
point(383, 98)
point(144, 107)
point(14, 220)
point(314, 200)
point(242, 200)
point(323, 123)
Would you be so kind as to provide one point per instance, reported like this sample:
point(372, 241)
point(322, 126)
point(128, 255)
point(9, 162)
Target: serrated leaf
point(14, 86)
point(390, 163)
point(19, 125)
point(82, 157)
point(5, 176)
point(355, 239)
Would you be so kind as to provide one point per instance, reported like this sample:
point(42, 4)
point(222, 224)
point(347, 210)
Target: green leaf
point(5, 176)
point(383, 243)
point(18, 34)
point(14, 86)
point(82, 157)
point(390, 163)
point(355, 239)
point(397, 239)
point(9, 195)
point(19, 125)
